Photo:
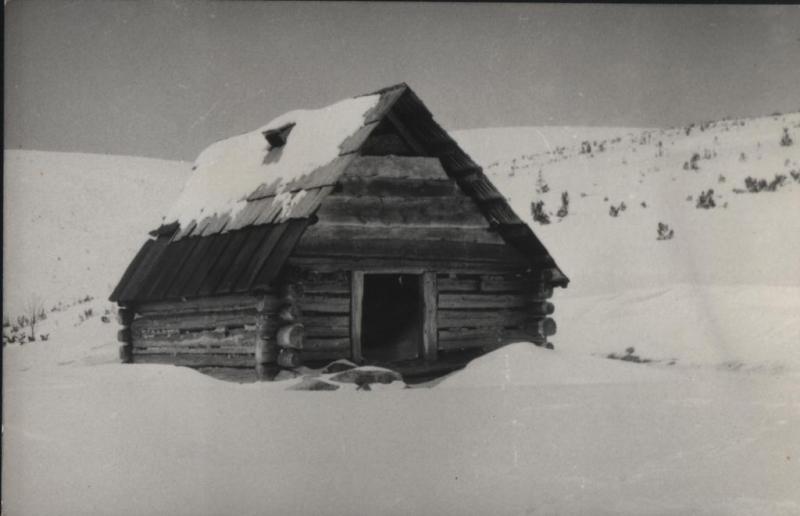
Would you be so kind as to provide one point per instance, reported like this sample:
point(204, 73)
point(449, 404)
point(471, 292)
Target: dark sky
point(165, 79)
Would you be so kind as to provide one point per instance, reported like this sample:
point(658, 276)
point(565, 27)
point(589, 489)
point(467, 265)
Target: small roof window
point(277, 137)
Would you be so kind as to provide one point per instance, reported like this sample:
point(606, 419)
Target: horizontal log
point(289, 358)
point(453, 211)
point(486, 339)
point(447, 252)
point(291, 336)
point(125, 316)
point(469, 301)
point(401, 263)
point(340, 286)
point(325, 304)
point(446, 283)
point(424, 232)
point(219, 339)
point(199, 322)
point(327, 325)
point(542, 308)
point(289, 314)
point(422, 168)
point(544, 326)
point(195, 360)
point(328, 355)
point(124, 335)
point(326, 344)
point(398, 187)
point(446, 318)
point(205, 304)
point(126, 353)
point(195, 350)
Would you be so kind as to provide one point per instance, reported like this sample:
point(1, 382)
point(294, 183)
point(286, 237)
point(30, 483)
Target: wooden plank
point(131, 270)
point(155, 325)
point(470, 301)
point(283, 248)
point(229, 303)
point(447, 318)
point(385, 145)
point(365, 168)
point(354, 142)
point(399, 187)
point(321, 303)
point(444, 211)
point(260, 257)
point(341, 344)
point(327, 284)
point(255, 236)
point(140, 277)
point(223, 264)
point(175, 257)
point(324, 355)
point(458, 284)
point(198, 254)
point(406, 134)
point(194, 360)
point(211, 339)
point(429, 307)
point(328, 231)
point(400, 264)
point(193, 350)
point(487, 339)
point(397, 249)
point(218, 245)
point(356, 312)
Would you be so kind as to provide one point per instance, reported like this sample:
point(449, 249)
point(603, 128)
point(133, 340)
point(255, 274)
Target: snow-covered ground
point(710, 426)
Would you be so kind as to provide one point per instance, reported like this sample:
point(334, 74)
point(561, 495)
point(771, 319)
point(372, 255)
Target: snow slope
point(73, 221)
point(723, 292)
point(711, 426)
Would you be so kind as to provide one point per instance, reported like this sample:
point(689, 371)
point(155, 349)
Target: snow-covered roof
point(233, 173)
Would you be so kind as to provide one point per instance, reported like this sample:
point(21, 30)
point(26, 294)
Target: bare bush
point(665, 232)
point(538, 213)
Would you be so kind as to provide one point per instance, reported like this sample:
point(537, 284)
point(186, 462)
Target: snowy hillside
point(723, 290)
point(710, 424)
point(73, 221)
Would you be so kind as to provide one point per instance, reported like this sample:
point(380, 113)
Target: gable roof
point(242, 190)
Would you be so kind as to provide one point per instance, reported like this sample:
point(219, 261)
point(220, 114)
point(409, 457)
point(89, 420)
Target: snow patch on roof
point(229, 170)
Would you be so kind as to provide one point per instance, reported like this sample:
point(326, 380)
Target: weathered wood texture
point(485, 311)
point(223, 331)
point(429, 303)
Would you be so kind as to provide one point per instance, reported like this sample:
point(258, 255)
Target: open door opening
point(392, 317)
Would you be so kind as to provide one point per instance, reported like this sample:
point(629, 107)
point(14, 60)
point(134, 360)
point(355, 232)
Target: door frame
point(428, 304)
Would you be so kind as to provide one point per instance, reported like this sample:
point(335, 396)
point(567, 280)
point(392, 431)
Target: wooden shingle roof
point(245, 249)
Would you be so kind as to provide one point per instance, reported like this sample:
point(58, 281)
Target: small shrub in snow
point(786, 140)
point(541, 184)
point(105, 319)
point(753, 185)
point(692, 163)
point(643, 204)
point(665, 232)
point(721, 179)
point(795, 175)
point(564, 209)
point(44, 337)
point(538, 213)
point(706, 200)
point(629, 356)
point(742, 157)
point(614, 211)
point(586, 147)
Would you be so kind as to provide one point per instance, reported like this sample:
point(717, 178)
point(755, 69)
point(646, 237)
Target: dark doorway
point(392, 317)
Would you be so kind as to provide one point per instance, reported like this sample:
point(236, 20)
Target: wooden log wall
point(226, 331)
point(314, 318)
point(488, 311)
point(402, 212)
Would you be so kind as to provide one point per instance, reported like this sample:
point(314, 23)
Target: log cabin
point(358, 231)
